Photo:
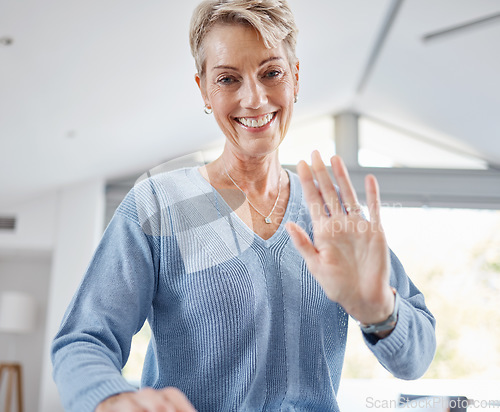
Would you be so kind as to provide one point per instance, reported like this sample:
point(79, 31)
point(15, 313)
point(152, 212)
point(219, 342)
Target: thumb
point(302, 242)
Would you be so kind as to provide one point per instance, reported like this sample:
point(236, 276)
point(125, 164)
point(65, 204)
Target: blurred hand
point(350, 256)
point(147, 400)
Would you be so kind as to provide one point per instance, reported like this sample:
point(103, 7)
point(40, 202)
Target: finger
point(312, 194)
point(122, 402)
point(347, 192)
point(178, 400)
point(301, 241)
point(328, 191)
point(373, 199)
point(152, 400)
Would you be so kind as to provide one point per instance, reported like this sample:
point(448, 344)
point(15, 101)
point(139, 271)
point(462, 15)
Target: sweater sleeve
point(109, 307)
point(408, 351)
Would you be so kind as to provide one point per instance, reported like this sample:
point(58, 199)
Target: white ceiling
point(105, 88)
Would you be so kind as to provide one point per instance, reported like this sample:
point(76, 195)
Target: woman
point(246, 312)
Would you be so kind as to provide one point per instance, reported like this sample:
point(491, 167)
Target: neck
point(252, 174)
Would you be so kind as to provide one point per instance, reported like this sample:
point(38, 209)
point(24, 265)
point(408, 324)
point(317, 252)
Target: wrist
point(383, 328)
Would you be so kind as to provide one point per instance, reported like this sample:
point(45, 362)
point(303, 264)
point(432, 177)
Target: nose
point(253, 94)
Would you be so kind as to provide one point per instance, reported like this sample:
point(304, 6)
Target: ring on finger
point(356, 209)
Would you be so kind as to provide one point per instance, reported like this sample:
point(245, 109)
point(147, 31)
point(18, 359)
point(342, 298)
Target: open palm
point(349, 256)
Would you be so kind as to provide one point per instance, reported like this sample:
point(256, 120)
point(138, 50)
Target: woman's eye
point(273, 73)
point(226, 80)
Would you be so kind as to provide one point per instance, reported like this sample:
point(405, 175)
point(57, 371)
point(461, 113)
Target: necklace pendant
point(268, 220)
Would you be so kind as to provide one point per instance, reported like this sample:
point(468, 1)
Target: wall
point(46, 256)
point(25, 265)
point(30, 273)
point(79, 227)
point(35, 227)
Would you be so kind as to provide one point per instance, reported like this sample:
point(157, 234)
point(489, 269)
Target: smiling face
point(250, 88)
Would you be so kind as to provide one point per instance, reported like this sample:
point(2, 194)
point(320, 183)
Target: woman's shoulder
point(158, 181)
point(157, 189)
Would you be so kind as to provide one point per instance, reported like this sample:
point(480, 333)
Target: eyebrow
point(270, 59)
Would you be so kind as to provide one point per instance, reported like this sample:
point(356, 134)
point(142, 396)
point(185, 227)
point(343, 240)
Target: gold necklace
point(267, 218)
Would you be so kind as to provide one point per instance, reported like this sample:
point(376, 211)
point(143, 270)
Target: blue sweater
point(238, 322)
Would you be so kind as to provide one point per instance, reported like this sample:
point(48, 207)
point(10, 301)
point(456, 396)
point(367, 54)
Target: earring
point(296, 99)
point(208, 110)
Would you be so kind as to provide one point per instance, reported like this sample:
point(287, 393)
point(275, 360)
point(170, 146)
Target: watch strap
point(385, 325)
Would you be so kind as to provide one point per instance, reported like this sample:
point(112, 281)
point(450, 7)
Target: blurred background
point(94, 94)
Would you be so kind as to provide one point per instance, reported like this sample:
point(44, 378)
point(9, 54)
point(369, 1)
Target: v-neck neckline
point(237, 223)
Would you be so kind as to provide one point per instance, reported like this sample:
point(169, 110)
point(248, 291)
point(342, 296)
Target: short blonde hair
point(272, 19)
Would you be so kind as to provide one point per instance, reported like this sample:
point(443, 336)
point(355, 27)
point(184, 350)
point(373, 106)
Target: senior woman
point(247, 312)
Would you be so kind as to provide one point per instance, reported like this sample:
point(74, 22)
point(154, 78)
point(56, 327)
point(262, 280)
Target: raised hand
point(350, 256)
point(147, 400)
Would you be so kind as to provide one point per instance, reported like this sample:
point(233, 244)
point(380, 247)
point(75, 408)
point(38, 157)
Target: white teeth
point(256, 123)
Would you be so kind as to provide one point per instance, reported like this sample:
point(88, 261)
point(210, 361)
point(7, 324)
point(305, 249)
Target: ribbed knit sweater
point(238, 323)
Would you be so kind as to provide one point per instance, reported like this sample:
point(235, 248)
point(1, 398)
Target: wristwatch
point(385, 325)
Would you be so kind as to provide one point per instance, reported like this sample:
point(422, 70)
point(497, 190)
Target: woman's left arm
point(351, 261)
point(409, 349)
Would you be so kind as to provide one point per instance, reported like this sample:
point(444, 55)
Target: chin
point(262, 147)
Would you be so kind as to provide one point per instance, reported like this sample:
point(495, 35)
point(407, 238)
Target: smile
point(255, 123)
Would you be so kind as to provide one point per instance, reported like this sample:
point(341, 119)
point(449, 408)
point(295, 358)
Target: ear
point(201, 86)
point(296, 77)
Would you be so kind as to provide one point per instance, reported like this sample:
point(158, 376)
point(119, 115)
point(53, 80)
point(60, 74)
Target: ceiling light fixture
point(471, 24)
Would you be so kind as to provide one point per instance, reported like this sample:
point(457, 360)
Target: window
point(133, 369)
point(381, 145)
point(306, 136)
point(453, 256)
